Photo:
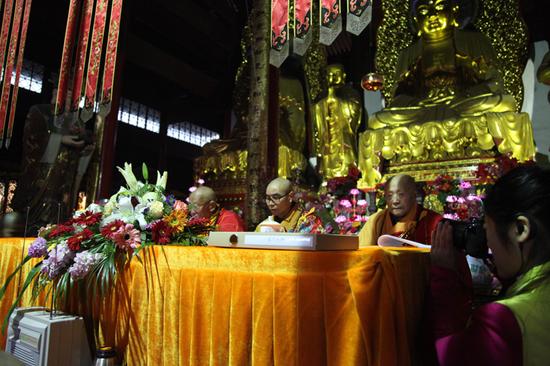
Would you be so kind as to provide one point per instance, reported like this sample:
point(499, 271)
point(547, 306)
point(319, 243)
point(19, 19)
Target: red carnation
point(74, 241)
point(161, 232)
point(88, 218)
point(111, 228)
point(59, 230)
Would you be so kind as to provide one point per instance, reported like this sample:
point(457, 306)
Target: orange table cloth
point(224, 306)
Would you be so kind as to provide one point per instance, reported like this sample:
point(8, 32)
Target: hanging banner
point(8, 70)
point(20, 53)
point(81, 53)
point(110, 59)
point(94, 62)
point(359, 16)
point(302, 26)
point(331, 21)
point(279, 32)
point(66, 58)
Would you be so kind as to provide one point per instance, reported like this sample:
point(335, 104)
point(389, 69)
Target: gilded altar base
point(453, 147)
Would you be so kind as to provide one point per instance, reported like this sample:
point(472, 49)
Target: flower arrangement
point(342, 209)
point(456, 199)
point(93, 245)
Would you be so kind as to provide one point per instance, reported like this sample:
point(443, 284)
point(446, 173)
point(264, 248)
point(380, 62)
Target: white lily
point(161, 180)
point(126, 212)
point(129, 177)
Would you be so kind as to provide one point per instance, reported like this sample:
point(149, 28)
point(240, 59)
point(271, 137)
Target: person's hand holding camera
point(443, 252)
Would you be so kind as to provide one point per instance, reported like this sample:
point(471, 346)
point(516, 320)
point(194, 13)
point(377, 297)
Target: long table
point(223, 306)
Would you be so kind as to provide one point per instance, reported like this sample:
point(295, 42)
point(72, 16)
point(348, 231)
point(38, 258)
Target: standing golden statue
point(336, 119)
point(448, 102)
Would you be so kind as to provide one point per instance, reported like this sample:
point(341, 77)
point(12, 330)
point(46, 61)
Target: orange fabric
point(222, 306)
point(229, 221)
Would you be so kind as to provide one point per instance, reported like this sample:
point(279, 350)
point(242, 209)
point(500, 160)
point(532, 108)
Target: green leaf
point(30, 277)
point(12, 275)
point(145, 172)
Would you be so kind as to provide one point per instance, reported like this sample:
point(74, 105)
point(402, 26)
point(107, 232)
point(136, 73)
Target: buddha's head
point(435, 18)
point(336, 76)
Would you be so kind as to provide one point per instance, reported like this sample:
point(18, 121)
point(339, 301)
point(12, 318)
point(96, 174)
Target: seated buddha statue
point(448, 73)
point(336, 119)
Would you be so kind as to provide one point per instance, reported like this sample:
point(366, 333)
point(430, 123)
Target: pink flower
point(362, 203)
point(192, 189)
point(473, 197)
point(451, 199)
point(465, 185)
point(354, 191)
point(345, 203)
point(127, 237)
point(180, 205)
point(451, 216)
point(341, 219)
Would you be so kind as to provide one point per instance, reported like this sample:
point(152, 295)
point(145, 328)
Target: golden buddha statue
point(335, 120)
point(448, 105)
point(292, 126)
point(448, 73)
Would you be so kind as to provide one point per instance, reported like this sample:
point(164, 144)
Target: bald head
point(203, 202)
point(203, 194)
point(278, 196)
point(281, 185)
point(400, 194)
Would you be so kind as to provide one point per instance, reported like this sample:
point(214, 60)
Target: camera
point(469, 236)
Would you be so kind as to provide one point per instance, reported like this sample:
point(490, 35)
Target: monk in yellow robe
point(403, 217)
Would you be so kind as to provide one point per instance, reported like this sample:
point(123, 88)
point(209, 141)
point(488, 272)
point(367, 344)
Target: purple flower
point(465, 185)
point(473, 197)
point(83, 262)
point(58, 259)
point(38, 248)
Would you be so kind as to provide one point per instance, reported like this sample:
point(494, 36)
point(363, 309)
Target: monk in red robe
point(203, 204)
point(402, 217)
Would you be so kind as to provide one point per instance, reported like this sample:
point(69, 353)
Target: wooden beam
point(146, 55)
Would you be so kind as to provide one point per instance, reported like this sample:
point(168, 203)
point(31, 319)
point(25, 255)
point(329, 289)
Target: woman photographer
point(516, 329)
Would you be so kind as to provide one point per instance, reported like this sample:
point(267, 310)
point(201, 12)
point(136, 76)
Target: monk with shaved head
point(402, 217)
point(202, 203)
point(279, 197)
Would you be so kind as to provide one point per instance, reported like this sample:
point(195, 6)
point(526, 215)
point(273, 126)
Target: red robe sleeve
point(425, 227)
point(229, 221)
point(490, 335)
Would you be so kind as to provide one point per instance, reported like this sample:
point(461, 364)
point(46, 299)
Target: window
point(31, 76)
point(191, 133)
point(139, 115)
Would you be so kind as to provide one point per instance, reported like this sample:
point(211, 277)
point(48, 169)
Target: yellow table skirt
point(222, 306)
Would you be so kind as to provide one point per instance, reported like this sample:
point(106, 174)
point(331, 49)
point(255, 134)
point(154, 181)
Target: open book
point(394, 241)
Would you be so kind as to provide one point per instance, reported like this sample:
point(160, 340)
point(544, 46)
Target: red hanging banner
point(6, 21)
point(66, 58)
point(20, 53)
point(95, 59)
point(303, 22)
point(331, 21)
point(359, 15)
point(279, 32)
point(110, 58)
point(8, 70)
point(83, 41)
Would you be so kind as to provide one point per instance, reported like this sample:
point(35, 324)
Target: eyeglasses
point(275, 198)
